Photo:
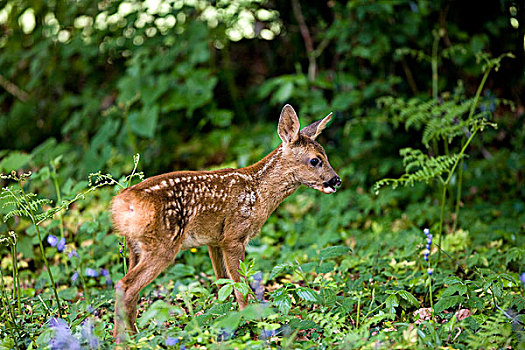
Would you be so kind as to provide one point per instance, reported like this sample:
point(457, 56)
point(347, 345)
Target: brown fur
point(222, 209)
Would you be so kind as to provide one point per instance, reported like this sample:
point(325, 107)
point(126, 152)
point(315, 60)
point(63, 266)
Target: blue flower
point(62, 337)
point(257, 286)
point(52, 240)
point(268, 333)
point(72, 253)
point(522, 278)
point(61, 244)
point(91, 272)
point(74, 277)
point(430, 271)
point(170, 341)
point(88, 335)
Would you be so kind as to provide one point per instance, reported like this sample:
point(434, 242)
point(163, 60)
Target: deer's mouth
point(330, 186)
point(325, 188)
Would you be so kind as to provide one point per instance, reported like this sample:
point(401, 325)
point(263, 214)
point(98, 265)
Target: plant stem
point(442, 216)
point(458, 195)
point(358, 311)
point(59, 201)
point(32, 216)
point(16, 279)
point(434, 63)
point(10, 311)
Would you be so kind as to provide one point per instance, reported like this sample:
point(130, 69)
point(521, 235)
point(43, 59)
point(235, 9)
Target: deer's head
point(305, 157)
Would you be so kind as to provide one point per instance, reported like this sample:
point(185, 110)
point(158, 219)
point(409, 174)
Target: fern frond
point(419, 167)
point(494, 333)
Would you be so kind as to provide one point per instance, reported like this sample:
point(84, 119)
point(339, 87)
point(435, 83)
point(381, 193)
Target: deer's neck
point(273, 179)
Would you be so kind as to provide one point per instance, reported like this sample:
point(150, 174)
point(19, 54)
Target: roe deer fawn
point(222, 209)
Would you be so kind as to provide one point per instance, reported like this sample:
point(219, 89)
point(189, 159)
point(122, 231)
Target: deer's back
point(194, 205)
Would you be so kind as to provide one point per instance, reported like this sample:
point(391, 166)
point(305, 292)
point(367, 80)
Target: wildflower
point(61, 244)
point(62, 338)
point(257, 287)
point(121, 249)
point(522, 278)
point(225, 334)
point(268, 333)
point(74, 277)
point(170, 341)
point(91, 272)
point(52, 240)
point(430, 271)
point(88, 335)
point(429, 242)
point(105, 273)
point(72, 253)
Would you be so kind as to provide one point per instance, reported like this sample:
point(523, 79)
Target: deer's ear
point(313, 130)
point(288, 128)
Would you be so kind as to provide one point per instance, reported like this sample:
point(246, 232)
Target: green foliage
point(198, 85)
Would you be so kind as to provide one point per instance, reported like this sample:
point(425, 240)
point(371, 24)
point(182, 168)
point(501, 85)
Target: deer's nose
point(333, 182)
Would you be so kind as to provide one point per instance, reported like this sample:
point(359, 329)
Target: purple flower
point(257, 286)
point(72, 253)
point(52, 240)
point(61, 244)
point(105, 273)
point(88, 335)
point(522, 278)
point(91, 272)
point(62, 337)
point(74, 277)
point(183, 347)
point(268, 333)
point(170, 341)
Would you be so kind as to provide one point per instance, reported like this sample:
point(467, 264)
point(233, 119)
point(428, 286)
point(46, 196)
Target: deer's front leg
point(233, 253)
point(217, 261)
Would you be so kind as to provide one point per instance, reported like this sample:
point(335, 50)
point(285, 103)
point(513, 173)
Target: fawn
point(222, 209)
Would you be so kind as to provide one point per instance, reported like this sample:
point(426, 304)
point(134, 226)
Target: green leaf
point(223, 281)
point(447, 302)
point(242, 288)
point(225, 291)
point(391, 303)
point(282, 300)
point(143, 123)
point(284, 92)
point(333, 252)
point(278, 269)
point(408, 297)
point(14, 161)
point(325, 267)
point(230, 321)
point(68, 293)
point(306, 294)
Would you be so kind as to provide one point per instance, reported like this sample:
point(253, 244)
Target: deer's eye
point(315, 161)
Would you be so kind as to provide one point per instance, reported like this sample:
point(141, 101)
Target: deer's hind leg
point(150, 264)
point(134, 252)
